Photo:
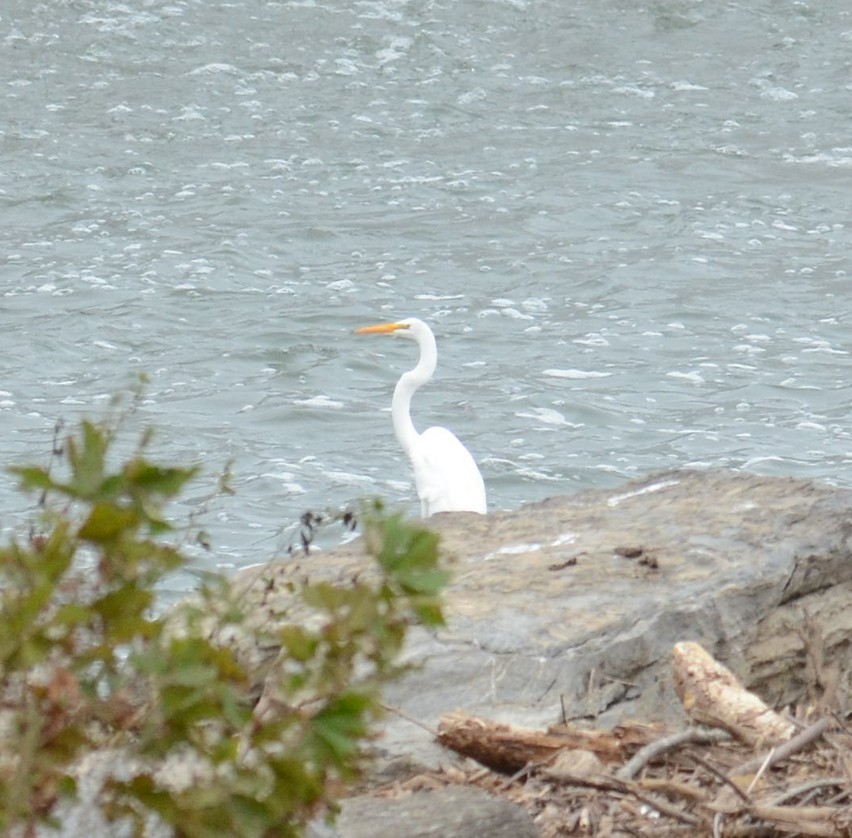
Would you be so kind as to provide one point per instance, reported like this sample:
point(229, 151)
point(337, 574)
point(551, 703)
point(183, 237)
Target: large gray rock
point(451, 812)
point(572, 605)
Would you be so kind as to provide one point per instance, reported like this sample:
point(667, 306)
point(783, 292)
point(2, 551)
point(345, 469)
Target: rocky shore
point(571, 606)
point(569, 610)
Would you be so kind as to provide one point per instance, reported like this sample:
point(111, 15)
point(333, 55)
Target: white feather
point(445, 473)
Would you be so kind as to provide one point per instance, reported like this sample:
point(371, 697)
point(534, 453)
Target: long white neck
point(408, 385)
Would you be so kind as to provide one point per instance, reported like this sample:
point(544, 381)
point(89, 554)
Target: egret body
point(445, 473)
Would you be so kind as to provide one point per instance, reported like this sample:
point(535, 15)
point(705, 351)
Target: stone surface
point(572, 605)
point(452, 812)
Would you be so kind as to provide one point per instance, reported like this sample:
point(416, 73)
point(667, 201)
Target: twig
point(522, 772)
point(719, 775)
point(692, 735)
point(799, 820)
point(604, 782)
point(673, 789)
point(662, 806)
point(761, 771)
point(605, 677)
point(804, 788)
point(403, 715)
point(835, 799)
point(799, 742)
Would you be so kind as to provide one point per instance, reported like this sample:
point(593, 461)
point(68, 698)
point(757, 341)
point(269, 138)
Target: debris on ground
point(740, 770)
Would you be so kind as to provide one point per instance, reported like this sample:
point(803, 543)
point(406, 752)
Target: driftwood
point(712, 695)
point(508, 749)
point(753, 774)
point(693, 778)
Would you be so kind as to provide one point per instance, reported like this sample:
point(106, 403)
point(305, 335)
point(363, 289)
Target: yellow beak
point(381, 328)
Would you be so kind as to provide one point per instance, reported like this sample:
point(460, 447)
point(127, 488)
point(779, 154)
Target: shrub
point(90, 665)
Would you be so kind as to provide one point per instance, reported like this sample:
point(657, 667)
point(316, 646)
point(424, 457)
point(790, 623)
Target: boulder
point(452, 812)
point(569, 608)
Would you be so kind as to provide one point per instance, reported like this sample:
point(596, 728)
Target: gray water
point(627, 222)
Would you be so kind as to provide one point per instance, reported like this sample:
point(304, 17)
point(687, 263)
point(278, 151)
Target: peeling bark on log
point(713, 695)
point(508, 749)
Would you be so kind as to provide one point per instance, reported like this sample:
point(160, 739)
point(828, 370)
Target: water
point(628, 223)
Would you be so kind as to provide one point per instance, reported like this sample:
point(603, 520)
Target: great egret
point(445, 473)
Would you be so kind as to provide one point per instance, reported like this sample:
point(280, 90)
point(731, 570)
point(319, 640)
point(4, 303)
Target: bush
point(89, 665)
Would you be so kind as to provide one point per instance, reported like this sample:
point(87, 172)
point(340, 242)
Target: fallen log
point(507, 749)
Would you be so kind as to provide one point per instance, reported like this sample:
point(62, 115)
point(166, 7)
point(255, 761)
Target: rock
point(571, 606)
point(451, 812)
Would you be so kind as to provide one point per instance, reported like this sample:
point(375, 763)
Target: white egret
point(445, 473)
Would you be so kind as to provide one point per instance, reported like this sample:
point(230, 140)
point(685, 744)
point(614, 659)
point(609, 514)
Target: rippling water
point(628, 223)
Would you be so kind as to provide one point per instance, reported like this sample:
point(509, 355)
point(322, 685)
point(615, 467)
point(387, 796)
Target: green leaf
point(417, 581)
point(72, 614)
point(338, 727)
point(324, 595)
point(428, 614)
point(106, 522)
point(154, 479)
point(123, 613)
point(298, 643)
point(33, 478)
point(88, 460)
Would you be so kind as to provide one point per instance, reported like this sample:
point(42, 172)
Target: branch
point(798, 743)
point(692, 735)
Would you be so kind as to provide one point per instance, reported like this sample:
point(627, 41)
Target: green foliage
point(87, 663)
